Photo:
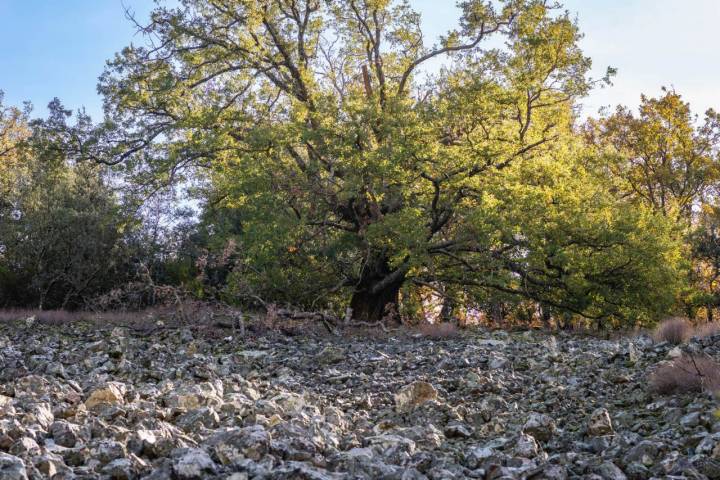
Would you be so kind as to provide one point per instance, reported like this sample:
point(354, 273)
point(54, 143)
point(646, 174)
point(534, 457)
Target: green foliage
point(61, 226)
point(570, 244)
point(667, 159)
point(334, 170)
point(703, 291)
point(355, 176)
point(664, 156)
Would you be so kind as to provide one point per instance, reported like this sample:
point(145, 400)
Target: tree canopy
point(356, 172)
point(664, 156)
point(343, 161)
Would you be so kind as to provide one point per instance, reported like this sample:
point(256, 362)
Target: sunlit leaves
point(350, 164)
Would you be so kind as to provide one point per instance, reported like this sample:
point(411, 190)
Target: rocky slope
point(80, 403)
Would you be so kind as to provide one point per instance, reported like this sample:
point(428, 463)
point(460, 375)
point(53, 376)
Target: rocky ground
point(81, 403)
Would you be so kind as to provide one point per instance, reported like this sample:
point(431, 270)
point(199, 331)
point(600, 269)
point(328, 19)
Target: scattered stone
point(330, 355)
point(690, 420)
point(41, 413)
point(64, 433)
point(457, 430)
point(178, 405)
point(610, 471)
point(192, 464)
point(110, 450)
point(194, 396)
point(119, 469)
point(25, 447)
point(232, 444)
point(477, 455)
point(526, 446)
point(50, 464)
point(204, 417)
point(498, 362)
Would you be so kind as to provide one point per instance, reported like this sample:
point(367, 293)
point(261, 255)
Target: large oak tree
point(363, 159)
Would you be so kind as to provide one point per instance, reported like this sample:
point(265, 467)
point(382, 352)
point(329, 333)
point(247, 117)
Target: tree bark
point(497, 314)
point(546, 316)
point(447, 311)
point(377, 291)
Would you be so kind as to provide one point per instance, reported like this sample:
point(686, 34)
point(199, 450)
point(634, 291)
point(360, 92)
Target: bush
point(439, 330)
point(674, 330)
point(686, 374)
point(707, 330)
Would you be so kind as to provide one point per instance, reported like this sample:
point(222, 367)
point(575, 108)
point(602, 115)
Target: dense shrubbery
point(336, 175)
point(66, 233)
point(65, 244)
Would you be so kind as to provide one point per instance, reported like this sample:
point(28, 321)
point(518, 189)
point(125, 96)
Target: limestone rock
point(195, 396)
point(181, 404)
point(252, 442)
point(119, 469)
point(330, 355)
point(12, 468)
point(111, 394)
point(50, 464)
point(600, 423)
point(526, 446)
point(414, 395)
point(610, 471)
point(193, 464)
point(540, 426)
point(64, 433)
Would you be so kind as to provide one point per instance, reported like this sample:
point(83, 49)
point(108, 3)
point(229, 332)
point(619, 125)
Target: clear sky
point(58, 48)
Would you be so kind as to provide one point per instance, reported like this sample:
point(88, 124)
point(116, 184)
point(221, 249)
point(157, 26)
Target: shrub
point(686, 374)
point(439, 330)
point(707, 329)
point(674, 330)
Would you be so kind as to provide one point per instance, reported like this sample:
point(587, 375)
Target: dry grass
point(674, 331)
point(63, 317)
point(439, 331)
point(50, 317)
point(686, 374)
point(679, 330)
point(205, 320)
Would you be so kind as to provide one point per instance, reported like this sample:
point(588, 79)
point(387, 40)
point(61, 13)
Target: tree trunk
point(447, 310)
point(377, 292)
point(497, 314)
point(546, 316)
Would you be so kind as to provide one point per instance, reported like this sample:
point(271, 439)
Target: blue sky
point(58, 48)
